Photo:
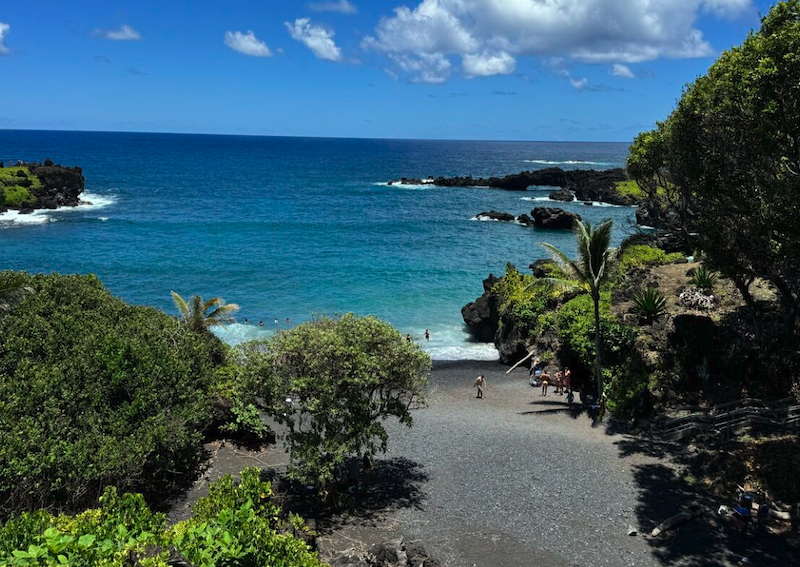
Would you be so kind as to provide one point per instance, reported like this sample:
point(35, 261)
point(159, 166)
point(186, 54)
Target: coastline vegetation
point(16, 184)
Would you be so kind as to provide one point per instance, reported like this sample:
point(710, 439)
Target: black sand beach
point(515, 479)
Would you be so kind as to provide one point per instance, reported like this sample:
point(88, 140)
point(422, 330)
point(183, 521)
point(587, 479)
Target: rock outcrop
point(552, 218)
point(562, 195)
point(58, 186)
point(482, 316)
point(495, 215)
point(586, 184)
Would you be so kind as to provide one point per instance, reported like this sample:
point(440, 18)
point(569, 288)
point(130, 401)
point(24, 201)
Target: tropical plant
point(591, 269)
point(343, 377)
point(703, 278)
point(650, 303)
point(95, 392)
point(199, 315)
point(12, 285)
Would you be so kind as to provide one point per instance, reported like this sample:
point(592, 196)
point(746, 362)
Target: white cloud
point(247, 43)
point(316, 38)
point(125, 33)
point(485, 64)
point(341, 6)
point(4, 49)
point(580, 83)
point(431, 68)
point(585, 31)
point(619, 70)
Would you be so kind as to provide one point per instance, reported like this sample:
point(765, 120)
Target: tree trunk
point(598, 371)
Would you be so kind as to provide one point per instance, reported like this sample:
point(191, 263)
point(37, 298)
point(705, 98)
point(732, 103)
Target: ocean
point(290, 228)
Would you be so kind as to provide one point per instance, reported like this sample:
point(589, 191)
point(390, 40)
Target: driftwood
point(677, 520)
point(530, 354)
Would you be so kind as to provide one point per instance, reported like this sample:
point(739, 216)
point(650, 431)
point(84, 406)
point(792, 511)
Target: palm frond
point(180, 304)
point(222, 312)
point(564, 262)
point(213, 302)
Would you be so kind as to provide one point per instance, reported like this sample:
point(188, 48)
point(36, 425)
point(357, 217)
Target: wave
point(566, 162)
point(92, 201)
point(469, 351)
point(484, 219)
point(539, 199)
point(238, 333)
point(410, 186)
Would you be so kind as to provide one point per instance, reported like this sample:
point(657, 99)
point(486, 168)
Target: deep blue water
point(291, 227)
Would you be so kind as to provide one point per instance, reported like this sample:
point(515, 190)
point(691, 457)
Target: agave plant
point(703, 278)
point(199, 315)
point(650, 303)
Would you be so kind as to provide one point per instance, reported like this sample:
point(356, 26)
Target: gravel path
point(514, 476)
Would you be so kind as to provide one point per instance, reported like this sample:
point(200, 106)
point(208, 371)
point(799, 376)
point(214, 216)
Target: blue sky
point(589, 70)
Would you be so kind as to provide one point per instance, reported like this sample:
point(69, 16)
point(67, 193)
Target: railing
point(734, 417)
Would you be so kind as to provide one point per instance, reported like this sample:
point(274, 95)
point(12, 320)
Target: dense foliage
point(95, 392)
point(15, 186)
point(343, 377)
point(236, 524)
point(526, 299)
point(730, 154)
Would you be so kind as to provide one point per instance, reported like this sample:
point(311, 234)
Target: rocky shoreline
point(49, 186)
point(541, 217)
point(582, 184)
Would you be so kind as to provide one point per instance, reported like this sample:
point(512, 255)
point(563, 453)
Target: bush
point(640, 255)
point(650, 303)
point(346, 375)
point(15, 185)
point(526, 299)
point(703, 278)
point(233, 525)
point(95, 392)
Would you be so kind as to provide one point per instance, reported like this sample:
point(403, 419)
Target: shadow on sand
point(664, 489)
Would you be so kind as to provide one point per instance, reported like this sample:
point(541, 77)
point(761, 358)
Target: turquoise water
point(292, 227)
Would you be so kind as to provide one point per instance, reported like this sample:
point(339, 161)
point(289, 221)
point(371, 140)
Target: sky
point(544, 70)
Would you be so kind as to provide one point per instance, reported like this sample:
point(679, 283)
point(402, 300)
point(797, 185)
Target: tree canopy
point(343, 376)
point(729, 155)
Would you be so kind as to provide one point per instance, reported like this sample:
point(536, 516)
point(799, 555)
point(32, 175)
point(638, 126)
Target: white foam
point(566, 162)
point(238, 333)
point(104, 219)
point(600, 204)
point(539, 199)
point(91, 202)
point(483, 218)
point(469, 351)
point(14, 218)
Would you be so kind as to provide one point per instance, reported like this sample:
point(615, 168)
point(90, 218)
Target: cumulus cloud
point(247, 43)
point(341, 6)
point(430, 68)
point(125, 33)
point(584, 31)
point(619, 70)
point(4, 49)
point(486, 64)
point(316, 38)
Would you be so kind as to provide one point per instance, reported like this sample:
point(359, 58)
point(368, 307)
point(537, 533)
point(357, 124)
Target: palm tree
point(591, 269)
point(199, 315)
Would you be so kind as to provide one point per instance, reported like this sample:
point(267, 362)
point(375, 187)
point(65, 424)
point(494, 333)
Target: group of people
point(261, 323)
point(427, 336)
point(562, 380)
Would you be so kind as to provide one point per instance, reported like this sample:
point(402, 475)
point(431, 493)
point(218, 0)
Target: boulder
point(482, 316)
point(526, 220)
point(390, 553)
point(495, 215)
point(562, 195)
point(554, 219)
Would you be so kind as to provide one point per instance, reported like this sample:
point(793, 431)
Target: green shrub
point(641, 255)
point(14, 196)
point(650, 303)
point(15, 189)
point(95, 392)
point(347, 375)
point(525, 298)
point(235, 525)
point(703, 278)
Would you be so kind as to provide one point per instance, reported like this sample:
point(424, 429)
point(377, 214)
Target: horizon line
point(314, 137)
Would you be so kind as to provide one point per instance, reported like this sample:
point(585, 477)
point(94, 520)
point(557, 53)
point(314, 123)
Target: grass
point(629, 188)
point(15, 193)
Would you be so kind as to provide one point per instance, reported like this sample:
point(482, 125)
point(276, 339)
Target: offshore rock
point(552, 218)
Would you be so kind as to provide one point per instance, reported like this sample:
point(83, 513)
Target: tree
point(95, 392)
point(199, 315)
point(732, 148)
point(343, 377)
point(591, 269)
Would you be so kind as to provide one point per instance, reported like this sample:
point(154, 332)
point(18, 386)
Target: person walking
point(480, 384)
point(545, 382)
point(559, 383)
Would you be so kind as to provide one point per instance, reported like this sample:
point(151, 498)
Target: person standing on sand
point(545, 382)
point(559, 383)
point(480, 384)
point(568, 379)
